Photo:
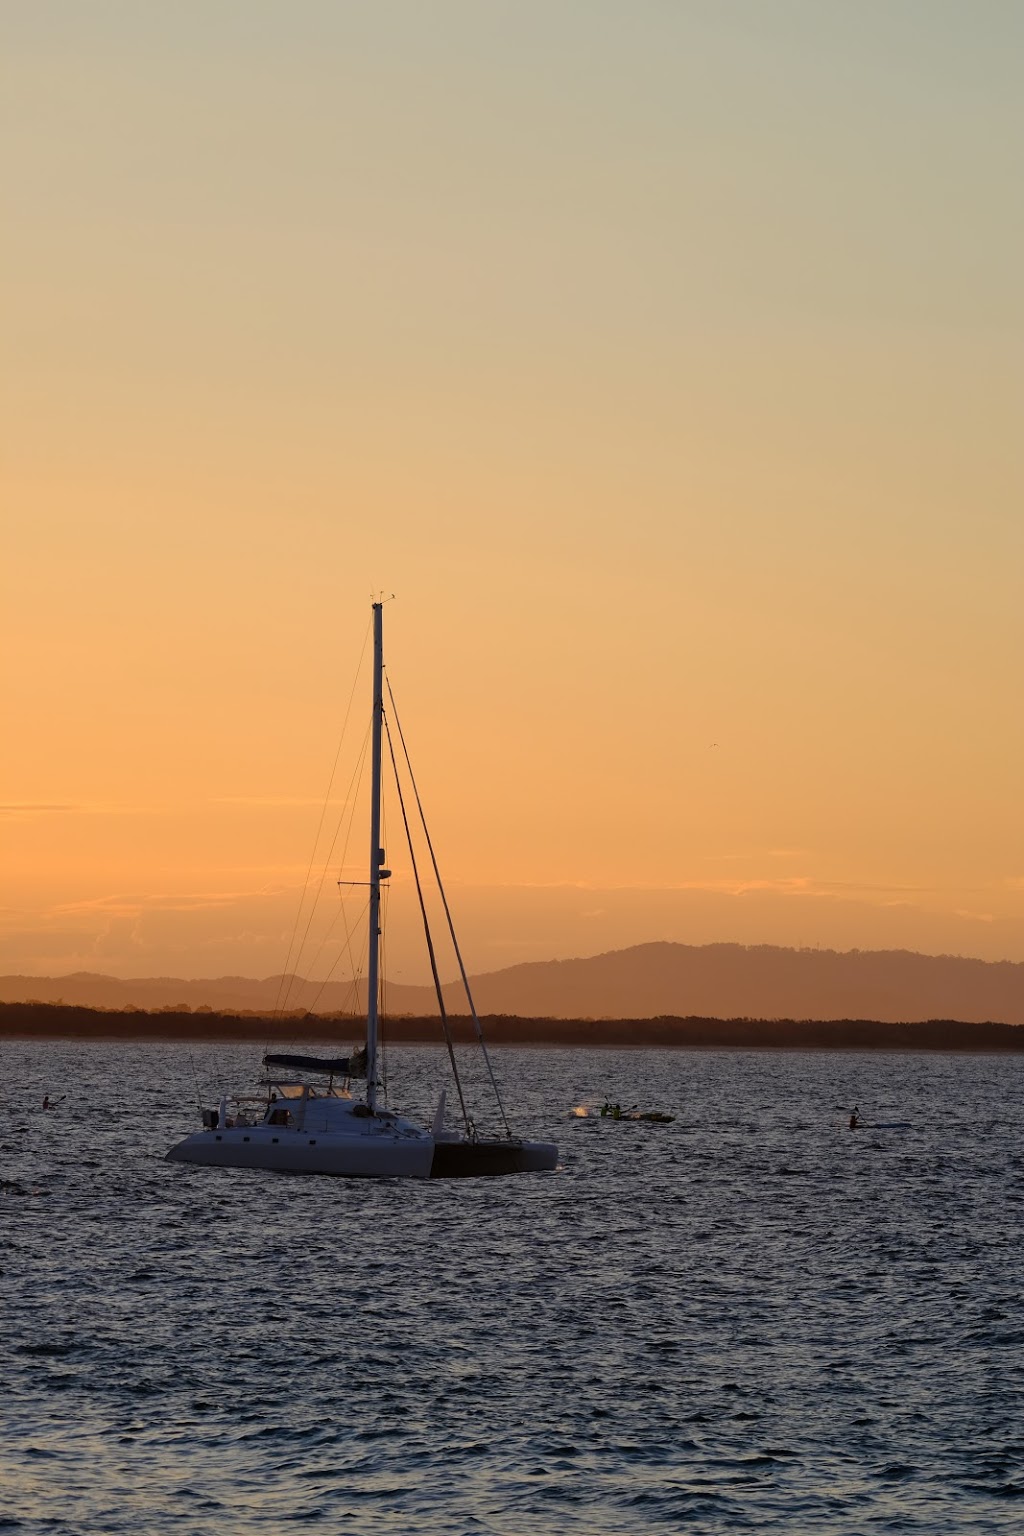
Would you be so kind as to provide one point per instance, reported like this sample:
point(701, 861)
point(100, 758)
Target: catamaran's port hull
point(482, 1159)
point(364, 1156)
point(352, 1157)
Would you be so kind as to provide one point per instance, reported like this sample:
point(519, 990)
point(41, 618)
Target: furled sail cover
point(337, 1066)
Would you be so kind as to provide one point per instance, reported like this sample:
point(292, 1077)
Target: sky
point(664, 360)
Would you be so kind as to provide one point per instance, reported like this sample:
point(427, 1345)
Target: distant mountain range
point(723, 981)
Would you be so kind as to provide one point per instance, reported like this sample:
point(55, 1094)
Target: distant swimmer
point(854, 1118)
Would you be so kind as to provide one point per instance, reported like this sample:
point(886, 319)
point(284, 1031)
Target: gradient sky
point(665, 360)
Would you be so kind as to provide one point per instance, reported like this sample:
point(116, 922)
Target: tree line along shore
point(56, 1021)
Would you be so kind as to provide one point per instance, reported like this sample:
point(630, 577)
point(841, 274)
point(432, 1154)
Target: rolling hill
point(724, 981)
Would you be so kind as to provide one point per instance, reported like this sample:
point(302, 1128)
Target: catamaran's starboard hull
point(482, 1159)
point(352, 1157)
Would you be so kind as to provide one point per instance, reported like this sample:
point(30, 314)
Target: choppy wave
point(750, 1319)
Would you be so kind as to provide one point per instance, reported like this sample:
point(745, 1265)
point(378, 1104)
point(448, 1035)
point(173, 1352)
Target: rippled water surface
point(750, 1319)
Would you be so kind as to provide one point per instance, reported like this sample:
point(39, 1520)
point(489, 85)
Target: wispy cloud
point(751, 855)
point(785, 885)
point(865, 888)
point(782, 885)
point(20, 808)
point(284, 801)
point(120, 905)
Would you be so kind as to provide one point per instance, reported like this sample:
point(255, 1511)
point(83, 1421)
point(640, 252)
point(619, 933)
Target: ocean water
point(751, 1319)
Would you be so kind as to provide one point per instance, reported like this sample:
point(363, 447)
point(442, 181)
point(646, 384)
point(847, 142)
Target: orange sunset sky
point(664, 360)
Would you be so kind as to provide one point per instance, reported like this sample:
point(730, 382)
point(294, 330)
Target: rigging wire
point(349, 805)
point(447, 912)
point(351, 797)
point(281, 1003)
point(426, 929)
point(348, 951)
point(350, 800)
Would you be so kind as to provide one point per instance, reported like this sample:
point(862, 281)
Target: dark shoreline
point(55, 1021)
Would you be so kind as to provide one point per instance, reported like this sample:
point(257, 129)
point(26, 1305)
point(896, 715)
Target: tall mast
point(376, 859)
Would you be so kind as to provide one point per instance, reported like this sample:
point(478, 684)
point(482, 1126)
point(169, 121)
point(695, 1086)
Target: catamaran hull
point(482, 1159)
point(351, 1157)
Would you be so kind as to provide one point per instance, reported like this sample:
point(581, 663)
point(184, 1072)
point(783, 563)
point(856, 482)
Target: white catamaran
point(309, 1120)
